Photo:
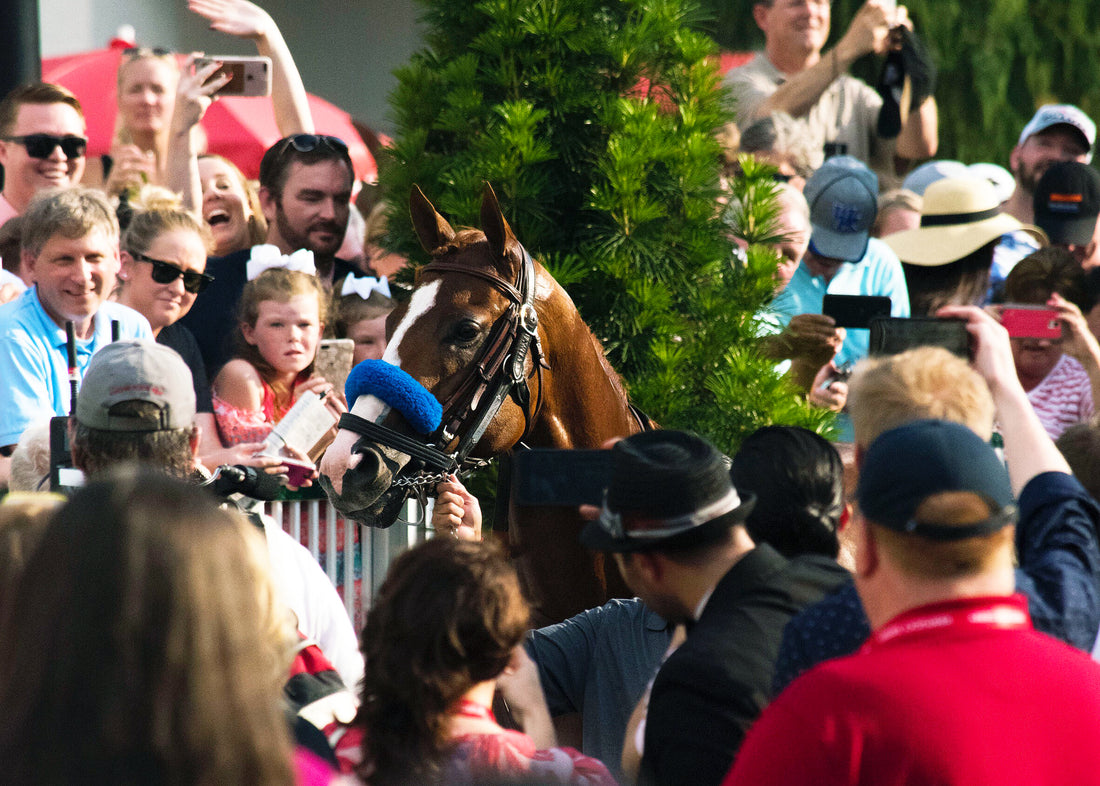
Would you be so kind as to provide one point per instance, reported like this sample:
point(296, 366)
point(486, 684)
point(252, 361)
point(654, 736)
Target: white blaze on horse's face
point(340, 456)
point(423, 301)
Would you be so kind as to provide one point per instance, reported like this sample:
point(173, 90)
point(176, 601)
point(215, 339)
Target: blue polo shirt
point(878, 273)
point(34, 373)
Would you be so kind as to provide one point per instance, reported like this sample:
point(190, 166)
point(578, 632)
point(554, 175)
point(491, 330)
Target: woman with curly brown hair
point(445, 627)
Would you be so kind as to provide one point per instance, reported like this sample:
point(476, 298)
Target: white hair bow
point(363, 286)
point(265, 257)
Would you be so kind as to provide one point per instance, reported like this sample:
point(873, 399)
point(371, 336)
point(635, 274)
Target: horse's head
point(459, 327)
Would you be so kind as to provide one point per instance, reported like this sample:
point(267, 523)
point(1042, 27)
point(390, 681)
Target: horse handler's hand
point(457, 512)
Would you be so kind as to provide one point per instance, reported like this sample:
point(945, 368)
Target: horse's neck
point(584, 403)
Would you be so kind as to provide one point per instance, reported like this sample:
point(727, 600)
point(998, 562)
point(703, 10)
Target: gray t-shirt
point(847, 112)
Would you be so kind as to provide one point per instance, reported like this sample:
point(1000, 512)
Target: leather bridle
point(499, 371)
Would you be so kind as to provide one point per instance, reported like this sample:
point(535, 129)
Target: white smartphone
point(250, 75)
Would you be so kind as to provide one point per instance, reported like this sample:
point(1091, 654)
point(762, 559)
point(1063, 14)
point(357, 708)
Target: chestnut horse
point(442, 337)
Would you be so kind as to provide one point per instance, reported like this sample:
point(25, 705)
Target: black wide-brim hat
point(669, 489)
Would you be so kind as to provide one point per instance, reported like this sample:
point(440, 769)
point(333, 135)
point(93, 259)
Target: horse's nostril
point(369, 465)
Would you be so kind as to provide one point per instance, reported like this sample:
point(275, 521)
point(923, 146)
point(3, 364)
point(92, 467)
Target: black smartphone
point(855, 311)
point(561, 477)
point(892, 335)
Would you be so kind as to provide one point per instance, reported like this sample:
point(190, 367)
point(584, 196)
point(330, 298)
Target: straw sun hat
point(961, 214)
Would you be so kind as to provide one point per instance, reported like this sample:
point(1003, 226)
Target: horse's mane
point(612, 374)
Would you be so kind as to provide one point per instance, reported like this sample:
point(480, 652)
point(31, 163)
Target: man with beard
point(1057, 132)
point(305, 193)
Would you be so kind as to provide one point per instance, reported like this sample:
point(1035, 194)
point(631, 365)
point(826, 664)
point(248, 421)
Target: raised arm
point(1056, 540)
point(869, 32)
point(1079, 342)
point(1028, 449)
point(247, 20)
point(193, 97)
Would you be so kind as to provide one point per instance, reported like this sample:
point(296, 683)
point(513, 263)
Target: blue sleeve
point(563, 654)
point(889, 279)
point(834, 626)
point(25, 395)
point(1056, 541)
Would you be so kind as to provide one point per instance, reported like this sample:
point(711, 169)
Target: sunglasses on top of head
point(43, 145)
point(166, 273)
point(307, 143)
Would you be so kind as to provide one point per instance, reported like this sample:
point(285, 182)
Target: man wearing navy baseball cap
point(954, 685)
point(1057, 132)
point(1067, 204)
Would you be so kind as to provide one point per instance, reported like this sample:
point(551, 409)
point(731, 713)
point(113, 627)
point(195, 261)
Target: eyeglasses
point(43, 145)
point(166, 273)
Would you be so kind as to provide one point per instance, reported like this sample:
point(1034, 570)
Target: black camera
point(835, 149)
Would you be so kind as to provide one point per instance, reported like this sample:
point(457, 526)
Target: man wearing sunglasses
point(42, 143)
point(305, 193)
point(70, 250)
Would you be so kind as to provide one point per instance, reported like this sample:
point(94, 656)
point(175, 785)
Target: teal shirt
point(878, 273)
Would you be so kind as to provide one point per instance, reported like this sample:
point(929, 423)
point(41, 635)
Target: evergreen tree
point(594, 121)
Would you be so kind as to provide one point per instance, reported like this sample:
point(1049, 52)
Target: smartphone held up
point(249, 76)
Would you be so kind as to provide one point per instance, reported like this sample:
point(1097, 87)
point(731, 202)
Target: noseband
point(498, 372)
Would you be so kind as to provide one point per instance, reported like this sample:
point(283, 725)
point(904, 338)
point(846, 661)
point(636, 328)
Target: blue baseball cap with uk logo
point(843, 197)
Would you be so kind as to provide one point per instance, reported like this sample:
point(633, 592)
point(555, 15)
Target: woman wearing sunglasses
point(163, 255)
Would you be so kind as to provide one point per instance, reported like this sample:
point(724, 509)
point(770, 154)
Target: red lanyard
point(1000, 613)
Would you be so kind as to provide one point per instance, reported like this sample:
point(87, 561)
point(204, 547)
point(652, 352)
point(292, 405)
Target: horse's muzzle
point(367, 494)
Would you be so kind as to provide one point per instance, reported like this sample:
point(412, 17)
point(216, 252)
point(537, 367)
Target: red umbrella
point(238, 128)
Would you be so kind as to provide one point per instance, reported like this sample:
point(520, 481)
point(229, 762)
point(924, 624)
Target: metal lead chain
point(421, 479)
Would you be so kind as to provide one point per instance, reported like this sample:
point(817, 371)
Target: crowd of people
point(918, 602)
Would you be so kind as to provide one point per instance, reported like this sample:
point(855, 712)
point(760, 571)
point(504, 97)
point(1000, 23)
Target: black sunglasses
point(307, 143)
point(166, 273)
point(43, 145)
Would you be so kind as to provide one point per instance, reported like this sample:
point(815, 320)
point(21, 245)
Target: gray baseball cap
point(843, 197)
point(136, 370)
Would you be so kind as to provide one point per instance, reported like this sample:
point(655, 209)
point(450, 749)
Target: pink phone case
point(297, 472)
point(1036, 322)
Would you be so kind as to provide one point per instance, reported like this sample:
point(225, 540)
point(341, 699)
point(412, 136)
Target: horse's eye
point(465, 332)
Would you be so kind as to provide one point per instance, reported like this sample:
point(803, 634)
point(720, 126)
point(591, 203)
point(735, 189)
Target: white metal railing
point(366, 552)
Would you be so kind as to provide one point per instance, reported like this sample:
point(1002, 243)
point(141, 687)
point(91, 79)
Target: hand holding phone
point(248, 75)
point(1031, 321)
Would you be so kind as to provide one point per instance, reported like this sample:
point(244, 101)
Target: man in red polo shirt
point(954, 685)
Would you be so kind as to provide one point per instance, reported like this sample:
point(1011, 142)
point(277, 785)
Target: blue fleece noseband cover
point(398, 390)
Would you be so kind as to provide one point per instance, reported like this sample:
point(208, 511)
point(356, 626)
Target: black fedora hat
point(669, 489)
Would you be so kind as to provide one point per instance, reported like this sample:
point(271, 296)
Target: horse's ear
point(494, 225)
point(432, 228)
